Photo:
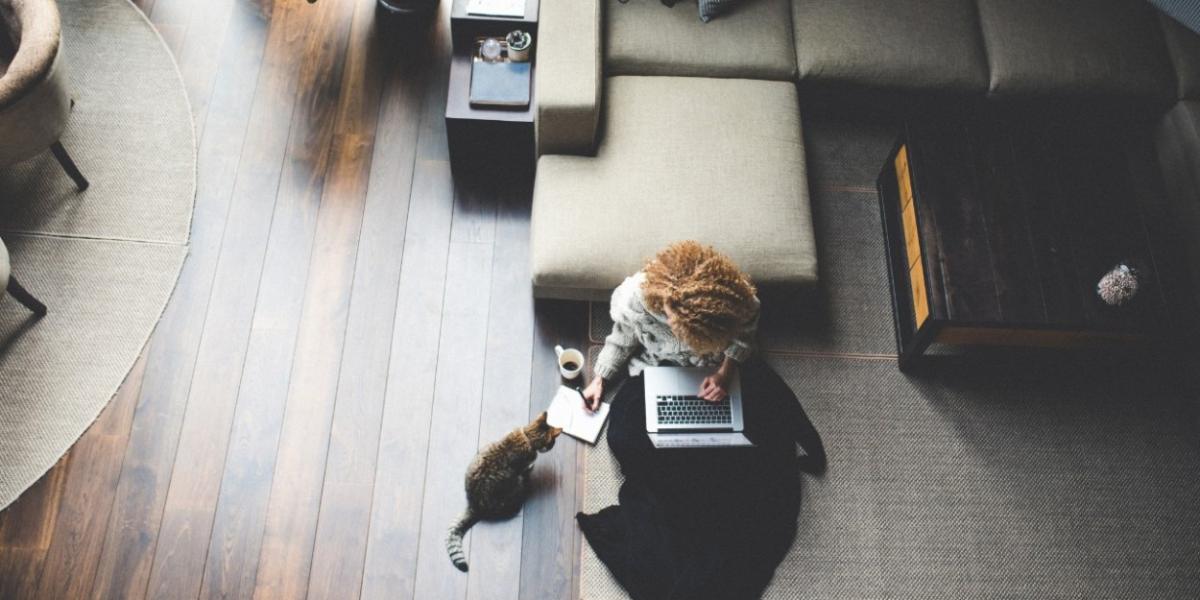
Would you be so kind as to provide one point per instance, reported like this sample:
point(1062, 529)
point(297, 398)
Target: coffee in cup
point(570, 362)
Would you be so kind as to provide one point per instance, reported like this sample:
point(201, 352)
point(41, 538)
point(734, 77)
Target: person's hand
point(715, 387)
point(593, 394)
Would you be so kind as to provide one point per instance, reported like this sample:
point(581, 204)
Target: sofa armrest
point(1177, 223)
point(567, 84)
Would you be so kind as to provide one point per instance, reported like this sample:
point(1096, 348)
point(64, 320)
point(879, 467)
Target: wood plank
point(458, 393)
point(458, 397)
point(263, 327)
point(198, 63)
point(495, 564)
point(390, 568)
point(20, 566)
point(239, 164)
point(339, 549)
point(1072, 232)
point(172, 18)
point(1108, 226)
point(26, 529)
point(577, 546)
point(233, 544)
point(475, 210)
point(87, 497)
point(930, 241)
point(292, 511)
point(948, 190)
point(29, 521)
point(1002, 207)
point(390, 565)
point(1045, 212)
point(549, 546)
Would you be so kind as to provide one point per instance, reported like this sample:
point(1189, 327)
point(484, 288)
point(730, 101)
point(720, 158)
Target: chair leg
point(68, 165)
point(24, 297)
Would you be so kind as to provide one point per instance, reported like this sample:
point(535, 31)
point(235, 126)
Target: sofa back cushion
point(751, 41)
point(920, 45)
point(1039, 48)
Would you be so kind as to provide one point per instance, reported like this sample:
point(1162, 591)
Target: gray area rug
point(1001, 475)
point(1038, 479)
point(105, 260)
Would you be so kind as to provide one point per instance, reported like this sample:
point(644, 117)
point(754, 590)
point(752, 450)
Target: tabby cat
point(498, 480)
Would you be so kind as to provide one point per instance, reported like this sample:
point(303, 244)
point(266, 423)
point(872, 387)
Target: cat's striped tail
point(455, 538)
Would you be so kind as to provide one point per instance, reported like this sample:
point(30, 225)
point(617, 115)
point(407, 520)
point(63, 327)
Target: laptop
point(677, 418)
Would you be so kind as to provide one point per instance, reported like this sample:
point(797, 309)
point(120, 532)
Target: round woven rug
point(105, 260)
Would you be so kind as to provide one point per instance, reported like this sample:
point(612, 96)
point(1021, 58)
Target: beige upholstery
point(753, 40)
point(34, 104)
point(918, 45)
point(7, 53)
point(1093, 48)
point(33, 29)
point(36, 120)
point(567, 86)
point(728, 171)
point(1184, 46)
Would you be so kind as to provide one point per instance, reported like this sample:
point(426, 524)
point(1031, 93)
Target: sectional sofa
point(652, 126)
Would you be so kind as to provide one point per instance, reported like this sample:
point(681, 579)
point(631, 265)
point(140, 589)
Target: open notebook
point(567, 411)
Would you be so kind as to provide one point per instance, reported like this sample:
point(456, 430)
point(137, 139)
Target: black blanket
point(705, 524)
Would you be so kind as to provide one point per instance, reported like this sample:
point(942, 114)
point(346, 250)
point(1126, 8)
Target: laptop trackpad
point(699, 440)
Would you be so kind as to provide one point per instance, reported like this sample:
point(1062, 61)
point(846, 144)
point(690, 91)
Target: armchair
point(34, 102)
point(15, 289)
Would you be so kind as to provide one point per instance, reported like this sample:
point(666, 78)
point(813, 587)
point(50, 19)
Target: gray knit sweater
point(641, 338)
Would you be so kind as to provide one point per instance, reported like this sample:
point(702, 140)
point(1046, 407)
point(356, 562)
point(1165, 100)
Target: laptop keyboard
point(693, 410)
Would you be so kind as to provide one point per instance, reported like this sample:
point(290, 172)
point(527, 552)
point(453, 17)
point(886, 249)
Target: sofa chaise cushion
point(728, 171)
point(1184, 46)
point(916, 45)
point(753, 40)
point(1073, 48)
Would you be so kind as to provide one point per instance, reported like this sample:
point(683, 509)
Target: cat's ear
point(541, 419)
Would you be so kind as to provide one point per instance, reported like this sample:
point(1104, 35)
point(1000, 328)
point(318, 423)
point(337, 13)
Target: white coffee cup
point(569, 356)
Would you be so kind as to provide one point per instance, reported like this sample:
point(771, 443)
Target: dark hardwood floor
point(353, 322)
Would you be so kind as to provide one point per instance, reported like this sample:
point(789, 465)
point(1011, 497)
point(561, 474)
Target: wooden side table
point(488, 140)
point(998, 229)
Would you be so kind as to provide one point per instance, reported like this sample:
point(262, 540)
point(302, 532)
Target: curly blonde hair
point(705, 296)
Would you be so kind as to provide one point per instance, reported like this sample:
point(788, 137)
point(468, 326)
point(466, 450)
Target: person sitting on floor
point(690, 306)
point(697, 523)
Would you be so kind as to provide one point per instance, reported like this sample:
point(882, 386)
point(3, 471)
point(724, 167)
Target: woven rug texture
point(105, 260)
point(1000, 475)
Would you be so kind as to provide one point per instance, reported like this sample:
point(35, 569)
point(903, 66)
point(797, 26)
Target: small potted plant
point(519, 43)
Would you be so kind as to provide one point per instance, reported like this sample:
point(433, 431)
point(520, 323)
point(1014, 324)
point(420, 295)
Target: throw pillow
point(714, 8)
point(708, 8)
